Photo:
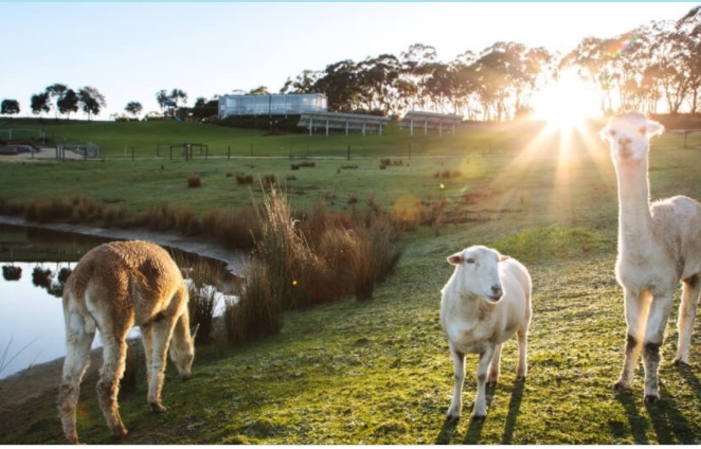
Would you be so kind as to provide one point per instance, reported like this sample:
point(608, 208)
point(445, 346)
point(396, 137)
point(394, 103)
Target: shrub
point(194, 180)
point(244, 179)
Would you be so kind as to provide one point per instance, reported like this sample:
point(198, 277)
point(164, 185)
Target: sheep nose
point(497, 292)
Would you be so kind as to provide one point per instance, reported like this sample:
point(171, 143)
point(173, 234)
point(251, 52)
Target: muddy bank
point(234, 260)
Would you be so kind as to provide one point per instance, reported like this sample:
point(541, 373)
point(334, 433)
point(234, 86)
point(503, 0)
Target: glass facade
point(274, 104)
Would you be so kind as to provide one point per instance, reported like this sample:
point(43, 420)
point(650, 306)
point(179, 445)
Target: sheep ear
point(503, 258)
point(455, 259)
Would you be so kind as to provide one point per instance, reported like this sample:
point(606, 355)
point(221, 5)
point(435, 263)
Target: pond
point(33, 263)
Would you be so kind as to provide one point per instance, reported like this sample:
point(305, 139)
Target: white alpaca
point(114, 287)
point(658, 245)
point(485, 302)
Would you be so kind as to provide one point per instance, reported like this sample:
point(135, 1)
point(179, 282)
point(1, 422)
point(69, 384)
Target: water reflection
point(36, 264)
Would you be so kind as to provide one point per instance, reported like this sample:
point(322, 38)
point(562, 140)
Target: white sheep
point(485, 301)
point(658, 245)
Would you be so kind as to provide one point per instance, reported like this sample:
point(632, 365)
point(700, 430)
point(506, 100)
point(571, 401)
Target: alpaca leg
point(636, 310)
point(522, 367)
point(79, 338)
point(687, 314)
point(114, 354)
point(455, 409)
point(480, 410)
point(657, 321)
point(147, 341)
point(494, 366)
point(162, 332)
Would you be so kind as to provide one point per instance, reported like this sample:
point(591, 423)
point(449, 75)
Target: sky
point(130, 51)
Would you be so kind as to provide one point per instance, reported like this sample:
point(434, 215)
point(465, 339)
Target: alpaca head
point(628, 134)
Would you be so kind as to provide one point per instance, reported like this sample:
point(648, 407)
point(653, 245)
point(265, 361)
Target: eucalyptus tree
point(134, 108)
point(302, 84)
point(416, 65)
point(377, 78)
point(9, 107)
point(162, 98)
point(339, 82)
point(260, 90)
point(56, 92)
point(40, 103)
point(68, 103)
point(176, 95)
point(91, 101)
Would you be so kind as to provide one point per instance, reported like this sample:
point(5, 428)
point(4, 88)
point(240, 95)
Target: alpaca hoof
point(476, 417)
point(119, 432)
point(652, 398)
point(452, 418)
point(679, 362)
point(158, 408)
point(492, 384)
point(521, 378)
point(621, 386)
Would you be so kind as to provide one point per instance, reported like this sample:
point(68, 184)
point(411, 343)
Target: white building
point(272, 104)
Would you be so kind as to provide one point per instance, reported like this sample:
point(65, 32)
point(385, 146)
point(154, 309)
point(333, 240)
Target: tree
point(91, 101)
point(9, 107)
point(162, 98)
point(40, 103)
point(68, 103)
point(260, 90)
point(56, 92)
point(176, 95)
point(134, 108)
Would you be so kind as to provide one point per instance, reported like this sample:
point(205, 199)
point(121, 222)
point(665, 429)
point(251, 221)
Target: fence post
point(348, 156)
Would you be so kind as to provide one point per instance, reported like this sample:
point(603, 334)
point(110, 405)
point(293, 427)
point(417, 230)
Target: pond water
point(31, 322)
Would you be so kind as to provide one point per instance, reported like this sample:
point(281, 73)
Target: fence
point(9, 134)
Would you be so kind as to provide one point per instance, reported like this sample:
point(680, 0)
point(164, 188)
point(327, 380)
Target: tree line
point(653, 68)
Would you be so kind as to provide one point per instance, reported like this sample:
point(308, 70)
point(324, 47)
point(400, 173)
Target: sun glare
point(566, 103)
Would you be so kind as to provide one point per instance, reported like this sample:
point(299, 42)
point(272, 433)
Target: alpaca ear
point(455, 259)
point(503, 258)
point(606, 134)
point(193, 331)
point(654, 128)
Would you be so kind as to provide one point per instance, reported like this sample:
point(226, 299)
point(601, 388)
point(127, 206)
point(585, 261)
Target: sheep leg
point(480, 410)
point(687, 314)
point(455, 409)
point(657, 321)
point(114, 356)
point(494, 366)
point(162, 331)
point(522, 366)
point(78, 342)
point(635, 305)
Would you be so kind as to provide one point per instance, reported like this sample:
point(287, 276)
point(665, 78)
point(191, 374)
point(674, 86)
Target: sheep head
point(477, 271)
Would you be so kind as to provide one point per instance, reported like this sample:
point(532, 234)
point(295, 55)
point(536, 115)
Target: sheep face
point(628, 136)
point(477, 271)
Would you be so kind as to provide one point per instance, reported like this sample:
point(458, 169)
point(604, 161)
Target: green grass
point(379, 372)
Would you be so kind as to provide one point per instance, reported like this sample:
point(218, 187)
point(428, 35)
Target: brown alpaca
point(116, 286)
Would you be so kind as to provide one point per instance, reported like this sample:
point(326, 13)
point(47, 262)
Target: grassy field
point(379, 372)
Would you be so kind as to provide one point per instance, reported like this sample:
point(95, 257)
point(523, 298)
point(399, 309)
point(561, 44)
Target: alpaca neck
point(634, 219)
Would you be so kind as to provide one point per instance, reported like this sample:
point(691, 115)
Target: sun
point(565, 104)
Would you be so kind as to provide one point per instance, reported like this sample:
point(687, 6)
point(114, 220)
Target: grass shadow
point(514, 407)
point(671, 427)
point(447, 432)
point(690, 378)
point(474, 430)
point(637, 423)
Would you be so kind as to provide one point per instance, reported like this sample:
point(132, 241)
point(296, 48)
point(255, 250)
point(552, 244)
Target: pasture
point(379, 372)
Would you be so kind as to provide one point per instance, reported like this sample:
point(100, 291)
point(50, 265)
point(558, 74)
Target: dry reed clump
point(269, 179)
point(193, 180)
point(258, 312)
point(232, 230)
point(244, 179)
point(86, 210)
point(9, 207)
point(48, 210)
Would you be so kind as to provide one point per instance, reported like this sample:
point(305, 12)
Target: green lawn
point(379, 372)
